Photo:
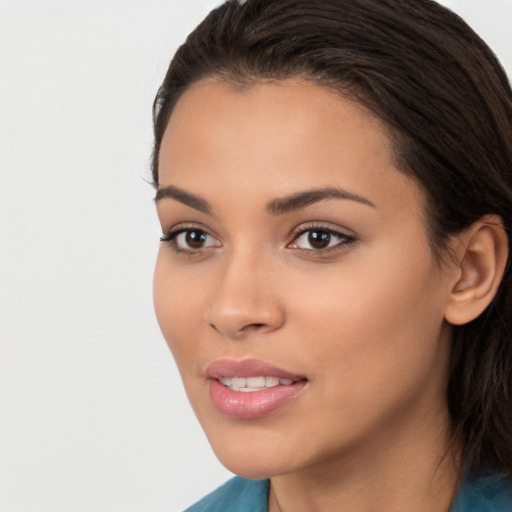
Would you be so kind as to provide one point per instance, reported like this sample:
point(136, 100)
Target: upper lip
point(247, 368)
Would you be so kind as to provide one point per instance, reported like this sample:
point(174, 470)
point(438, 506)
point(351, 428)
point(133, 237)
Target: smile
point(250, 389)
point(251, 384)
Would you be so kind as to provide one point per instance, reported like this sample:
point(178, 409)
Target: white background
point(92, 414)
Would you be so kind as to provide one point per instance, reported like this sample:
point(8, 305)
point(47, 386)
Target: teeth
point(238, 382)
point(270, 382)
point(255, 382)
point(250, 384)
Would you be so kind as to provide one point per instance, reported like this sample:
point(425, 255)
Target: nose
point(245, 299)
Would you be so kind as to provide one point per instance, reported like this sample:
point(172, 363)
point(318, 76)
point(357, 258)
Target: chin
point(251, 472)
point(247, 461)
point(254, 454)
point(264, 467)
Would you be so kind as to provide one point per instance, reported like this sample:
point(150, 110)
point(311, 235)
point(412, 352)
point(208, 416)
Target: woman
point(334, 185)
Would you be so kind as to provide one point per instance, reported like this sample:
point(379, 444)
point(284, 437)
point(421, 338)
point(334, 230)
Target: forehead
point(293, 104)
point(272, 136)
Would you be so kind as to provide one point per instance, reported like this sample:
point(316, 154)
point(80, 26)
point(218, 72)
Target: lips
point(251, 384)
point(250, 388)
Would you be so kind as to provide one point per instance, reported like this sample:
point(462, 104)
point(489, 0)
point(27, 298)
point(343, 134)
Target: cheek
point(373, 322)
point(177, 308)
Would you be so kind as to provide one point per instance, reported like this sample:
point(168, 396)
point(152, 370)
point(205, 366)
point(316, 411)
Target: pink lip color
point(252, 405)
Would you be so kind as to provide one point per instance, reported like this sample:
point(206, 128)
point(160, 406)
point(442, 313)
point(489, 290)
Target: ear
point(481, 253)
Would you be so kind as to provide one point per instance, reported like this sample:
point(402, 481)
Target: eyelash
point(345, 239)
point(171, 236)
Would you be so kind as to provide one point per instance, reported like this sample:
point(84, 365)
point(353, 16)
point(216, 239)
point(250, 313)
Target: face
point(294, 284)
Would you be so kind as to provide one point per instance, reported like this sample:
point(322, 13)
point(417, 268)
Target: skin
point(363, 320)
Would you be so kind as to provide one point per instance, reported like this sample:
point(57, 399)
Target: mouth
point(250, 389)
point(253, 384)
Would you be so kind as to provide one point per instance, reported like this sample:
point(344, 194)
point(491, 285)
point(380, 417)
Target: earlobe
point(481, 257)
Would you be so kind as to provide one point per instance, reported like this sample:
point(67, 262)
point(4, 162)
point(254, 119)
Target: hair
point(447, 104)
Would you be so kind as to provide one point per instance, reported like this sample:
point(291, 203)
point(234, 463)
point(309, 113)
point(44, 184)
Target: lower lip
point(254, 404)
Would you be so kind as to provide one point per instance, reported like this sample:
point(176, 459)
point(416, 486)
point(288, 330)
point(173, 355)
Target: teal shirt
point(485, 494)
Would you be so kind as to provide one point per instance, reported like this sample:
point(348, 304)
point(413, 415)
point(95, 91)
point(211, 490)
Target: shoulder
point(489, 493)
point(236, 495)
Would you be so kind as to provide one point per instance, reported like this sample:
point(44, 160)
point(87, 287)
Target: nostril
point(245, 328)
point(239, 322)
point(253, 327)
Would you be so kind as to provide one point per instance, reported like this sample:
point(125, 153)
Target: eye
point(320, 239)
point(190, 239)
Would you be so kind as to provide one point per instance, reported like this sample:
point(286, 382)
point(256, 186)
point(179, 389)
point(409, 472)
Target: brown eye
point(195, 239)
point(190, 240)
point(319, 239)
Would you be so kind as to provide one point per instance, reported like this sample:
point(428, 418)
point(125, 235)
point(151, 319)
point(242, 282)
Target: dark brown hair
point(448, 105)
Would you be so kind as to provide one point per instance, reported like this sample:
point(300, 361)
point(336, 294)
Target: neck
point(395, 473)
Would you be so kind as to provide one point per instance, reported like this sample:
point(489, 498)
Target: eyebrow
point(278, 206)
point(302, 199)
point(186, 198)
